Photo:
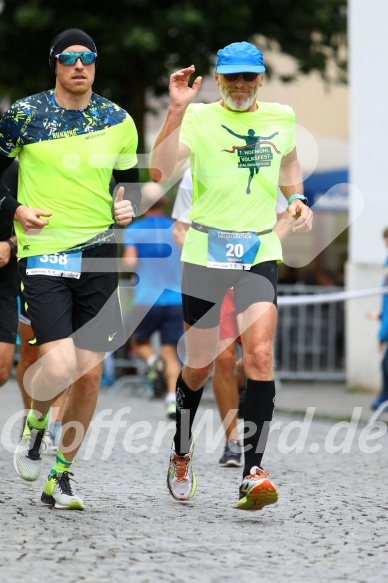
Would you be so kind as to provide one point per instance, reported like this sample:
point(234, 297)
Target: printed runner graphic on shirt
point(254, 154)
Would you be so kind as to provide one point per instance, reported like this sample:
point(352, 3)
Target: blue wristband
point(297, 196)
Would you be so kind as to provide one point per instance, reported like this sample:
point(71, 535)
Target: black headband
point(67, 38)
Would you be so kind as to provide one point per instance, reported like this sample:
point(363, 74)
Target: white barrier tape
point(330, 297)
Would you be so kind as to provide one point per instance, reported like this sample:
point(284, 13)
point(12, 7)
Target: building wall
point(368, 131)
point(321, 108)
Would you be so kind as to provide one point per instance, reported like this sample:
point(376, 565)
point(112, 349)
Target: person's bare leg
point(225, 387)
point(55, 421)
point(201, 350)
point(239, 373)
point(60, 365)
point(28, 355)
point(56, 411)
point(258, 323)
point(54, 371)
point(143, 349)
point(80, 405)
point(6, 361)
point(173, 367)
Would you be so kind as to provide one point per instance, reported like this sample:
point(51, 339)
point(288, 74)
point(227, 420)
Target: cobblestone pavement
point(329, 524)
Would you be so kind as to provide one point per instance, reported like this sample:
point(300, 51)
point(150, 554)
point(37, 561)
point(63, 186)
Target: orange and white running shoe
point(256, 491)
point(181, 480)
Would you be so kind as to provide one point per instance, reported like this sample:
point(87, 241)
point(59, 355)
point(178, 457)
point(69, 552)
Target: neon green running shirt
point(235, 161)
point(66, 158)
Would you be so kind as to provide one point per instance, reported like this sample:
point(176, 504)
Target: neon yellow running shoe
point(256, 491)
point(181, 480)
point(57, 492)
point(170, 409)
point(27, 460)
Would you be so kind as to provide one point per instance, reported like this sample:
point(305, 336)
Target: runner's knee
point(258, 360)
point(4, 373)
point(195, 378)
point(225, 362)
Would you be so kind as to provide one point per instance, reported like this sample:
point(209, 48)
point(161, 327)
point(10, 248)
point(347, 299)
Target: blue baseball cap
point(240, 58)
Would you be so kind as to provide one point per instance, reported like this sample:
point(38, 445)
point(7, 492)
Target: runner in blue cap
point(231, 243)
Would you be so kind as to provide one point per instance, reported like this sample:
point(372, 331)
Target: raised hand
point(180, 92)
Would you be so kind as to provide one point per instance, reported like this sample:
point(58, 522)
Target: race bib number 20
point(55, 265)
point(231, 250)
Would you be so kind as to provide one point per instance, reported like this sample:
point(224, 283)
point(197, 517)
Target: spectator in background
point(383, 335)
point(9, 282)
point(156, 262)
point(10, 321)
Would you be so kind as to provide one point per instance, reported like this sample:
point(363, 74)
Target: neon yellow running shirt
point(66, 158)
point(235, 161)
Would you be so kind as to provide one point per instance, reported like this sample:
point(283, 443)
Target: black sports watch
point(305, 200)
point(13, 246)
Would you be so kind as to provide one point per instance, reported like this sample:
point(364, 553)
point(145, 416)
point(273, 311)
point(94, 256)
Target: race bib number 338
point(56, 265)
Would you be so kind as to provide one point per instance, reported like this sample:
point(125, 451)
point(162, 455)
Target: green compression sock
point(37, 422)
point(61, 465)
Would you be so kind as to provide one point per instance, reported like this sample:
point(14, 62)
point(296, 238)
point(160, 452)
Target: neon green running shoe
point(27, 460)
point(170, 409)
point(256, 491)
point(181, 480)
point(57, 492)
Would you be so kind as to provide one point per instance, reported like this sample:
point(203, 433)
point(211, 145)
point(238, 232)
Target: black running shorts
point(204, 288)
point(87, 309)
point(8, 319)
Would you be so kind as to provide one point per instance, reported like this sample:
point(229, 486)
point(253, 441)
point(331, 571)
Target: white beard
point(241, 105)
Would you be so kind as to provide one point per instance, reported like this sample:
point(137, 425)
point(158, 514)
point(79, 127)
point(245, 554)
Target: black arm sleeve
point(8, 204)
point(130, 180)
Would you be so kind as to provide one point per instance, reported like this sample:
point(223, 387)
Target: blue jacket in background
point(383, 332)
point(158, 265)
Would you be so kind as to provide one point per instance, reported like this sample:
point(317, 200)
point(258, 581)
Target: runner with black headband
point(69, 141)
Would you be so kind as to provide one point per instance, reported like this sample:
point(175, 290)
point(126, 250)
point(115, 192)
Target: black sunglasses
point(245, 76)
point(70, 58)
